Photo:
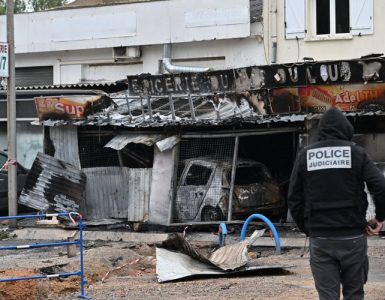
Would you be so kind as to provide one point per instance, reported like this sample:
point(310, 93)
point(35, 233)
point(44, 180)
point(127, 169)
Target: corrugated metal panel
point(65, 142)
point(139, 194)
point(53, 185)
point(115, 192)
point(82, 85)
point(171, 265)
point(121, 140)
point(34, 76)
point(119, 120)
point(52, 90)
point(107, 192)
point(227, 258)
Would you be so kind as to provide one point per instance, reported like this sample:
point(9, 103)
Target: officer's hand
point(374, 227)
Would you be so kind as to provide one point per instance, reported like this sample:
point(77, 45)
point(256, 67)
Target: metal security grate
point(203, 187)
point(211, 187)
point(93, 154)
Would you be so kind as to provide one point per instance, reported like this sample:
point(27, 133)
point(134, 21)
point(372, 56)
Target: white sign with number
point(4, 60)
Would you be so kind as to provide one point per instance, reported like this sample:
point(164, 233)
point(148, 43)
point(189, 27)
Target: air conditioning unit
point(131, 52)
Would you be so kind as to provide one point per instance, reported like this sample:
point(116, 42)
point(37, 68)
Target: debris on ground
point(131, 273)
point(176, 258)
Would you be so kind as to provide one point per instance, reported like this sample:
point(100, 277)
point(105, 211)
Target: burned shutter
point(361, 17)
point(33, 76)
point(294, 19)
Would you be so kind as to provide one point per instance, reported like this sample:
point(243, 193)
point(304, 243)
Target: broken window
point(251, 174)
point(137, 156)
point(92, 152)
point(198, 175)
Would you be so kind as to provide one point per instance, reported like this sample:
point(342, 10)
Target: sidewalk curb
point(152, 238)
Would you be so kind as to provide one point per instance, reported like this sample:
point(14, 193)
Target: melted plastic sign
point(329, 158)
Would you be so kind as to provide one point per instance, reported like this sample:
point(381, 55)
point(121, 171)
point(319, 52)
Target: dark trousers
point(334, 262)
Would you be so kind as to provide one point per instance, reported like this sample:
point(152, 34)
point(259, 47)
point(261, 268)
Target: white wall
point(326, 49)
point(98, 64)
point(146, 23)
point(207, 33)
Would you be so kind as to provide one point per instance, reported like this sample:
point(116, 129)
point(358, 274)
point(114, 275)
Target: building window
point(332, 16)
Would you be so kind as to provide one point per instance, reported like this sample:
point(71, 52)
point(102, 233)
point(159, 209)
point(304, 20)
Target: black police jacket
point(327, 187)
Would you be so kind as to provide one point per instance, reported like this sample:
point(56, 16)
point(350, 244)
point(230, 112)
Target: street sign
point(4, 60)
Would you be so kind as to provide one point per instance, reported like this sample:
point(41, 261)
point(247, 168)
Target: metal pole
point(230, 209)
point(172, 107)
point(11, 117)
point(83, 282)
point(149, 106)
point(190, 102)
point(141, 105)
point(129, 108)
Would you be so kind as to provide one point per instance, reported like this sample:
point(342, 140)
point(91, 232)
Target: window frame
point(194, 164)
point(332, 22)
point(311, 21)
point(300, 25)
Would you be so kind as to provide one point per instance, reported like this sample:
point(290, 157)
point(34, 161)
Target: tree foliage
point(31, 5)
point(19, 6)
point(39, 5)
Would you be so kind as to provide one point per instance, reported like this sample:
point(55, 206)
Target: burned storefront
point(212, 146)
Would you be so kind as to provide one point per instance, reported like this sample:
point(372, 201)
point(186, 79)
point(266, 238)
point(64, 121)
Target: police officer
point(328, 202)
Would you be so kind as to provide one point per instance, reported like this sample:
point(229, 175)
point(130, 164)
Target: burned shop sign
point(242, 79)
point(318, 98)
point(69, 107)
point(181, 83)
point(330, 72)
point(254, 78)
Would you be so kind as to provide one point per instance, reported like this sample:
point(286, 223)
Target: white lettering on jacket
point(329, 158)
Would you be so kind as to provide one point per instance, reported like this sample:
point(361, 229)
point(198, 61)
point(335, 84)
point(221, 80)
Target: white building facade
point(326, 29)
point(107, 43)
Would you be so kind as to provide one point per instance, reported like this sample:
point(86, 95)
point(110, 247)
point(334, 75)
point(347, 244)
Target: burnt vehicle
point(204, 189)
point(21, 178)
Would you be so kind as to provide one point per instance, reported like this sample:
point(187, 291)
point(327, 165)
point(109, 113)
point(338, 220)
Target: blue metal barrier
point(267, 221)
point(222, 231)
point(53, 244)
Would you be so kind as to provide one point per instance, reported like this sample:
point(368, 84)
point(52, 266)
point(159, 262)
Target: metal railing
point(78, 242)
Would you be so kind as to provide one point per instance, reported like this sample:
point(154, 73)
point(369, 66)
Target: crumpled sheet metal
point(231, 257)
point(179, 259)
point(53, 185)
point(171, 265)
